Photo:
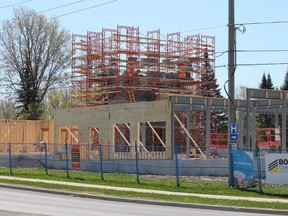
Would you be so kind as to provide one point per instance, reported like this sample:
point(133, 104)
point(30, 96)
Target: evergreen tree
point(263, 83)
point(269, 83)
point(221, 117)
point(284, 86)
point(266, 120)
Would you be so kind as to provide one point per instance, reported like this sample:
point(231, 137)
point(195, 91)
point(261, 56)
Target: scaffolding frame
point(124, 65)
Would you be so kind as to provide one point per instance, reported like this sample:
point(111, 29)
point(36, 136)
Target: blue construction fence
point(137, 159)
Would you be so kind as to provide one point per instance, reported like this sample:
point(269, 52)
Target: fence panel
point(132, 159)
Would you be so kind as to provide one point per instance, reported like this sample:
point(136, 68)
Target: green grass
point(164, 183)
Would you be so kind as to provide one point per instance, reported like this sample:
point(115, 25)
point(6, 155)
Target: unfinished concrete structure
point(163, 120)
point(153, 127)
point(110, 121)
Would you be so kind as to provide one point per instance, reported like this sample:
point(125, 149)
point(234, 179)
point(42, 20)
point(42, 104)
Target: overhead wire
point(61, 6)
point(206, 28)
point(265, 50)
point(72, 12)
point(6, 6)
point(263, 64)
point(238, 24)
point(87, 8)
point(221, 53)
point(264, 23)
point(214, 27)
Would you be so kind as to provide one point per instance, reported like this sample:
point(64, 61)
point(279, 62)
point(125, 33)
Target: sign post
point(233, 137)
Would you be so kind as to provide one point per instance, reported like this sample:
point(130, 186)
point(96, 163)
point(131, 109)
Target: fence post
point(67, 165)
point(10, 157)
point(137, 165)
point(46, 164)
point(101, 162)
point(259, 169)
point(176, 166)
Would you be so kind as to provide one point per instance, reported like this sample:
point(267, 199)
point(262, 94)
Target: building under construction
point(124, 65)
point(148, 94)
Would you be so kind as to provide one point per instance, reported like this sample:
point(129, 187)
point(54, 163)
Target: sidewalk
point(147, 190)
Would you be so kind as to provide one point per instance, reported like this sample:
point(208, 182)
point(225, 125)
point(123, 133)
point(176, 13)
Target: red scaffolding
point(122, 65)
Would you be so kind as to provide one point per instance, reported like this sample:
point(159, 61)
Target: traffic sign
point(233, 136)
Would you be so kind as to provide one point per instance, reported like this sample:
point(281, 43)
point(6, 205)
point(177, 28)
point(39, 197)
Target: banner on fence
point(75, 156)
point(243, 164)
point(276, 166)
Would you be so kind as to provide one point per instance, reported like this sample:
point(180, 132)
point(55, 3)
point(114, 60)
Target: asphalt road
point(15, 202)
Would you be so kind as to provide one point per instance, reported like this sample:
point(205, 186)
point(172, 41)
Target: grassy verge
point(218, 187)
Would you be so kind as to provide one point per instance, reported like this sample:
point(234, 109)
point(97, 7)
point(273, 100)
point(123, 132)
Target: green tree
point(266, 120)
point(221, 117)
point(263, 83)
point(7, 109)
point(34, 53)
point(269, 83)
point(284, 86)
point(57, 99)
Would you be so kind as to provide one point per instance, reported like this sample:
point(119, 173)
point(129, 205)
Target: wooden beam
point(122, 135)
point(96, 129)
point(138, 140)
point(127, 125)
point(74, 137)
point(155, 132)
point(188, 134)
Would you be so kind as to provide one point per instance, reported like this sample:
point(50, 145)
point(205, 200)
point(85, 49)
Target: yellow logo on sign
point(274, 166)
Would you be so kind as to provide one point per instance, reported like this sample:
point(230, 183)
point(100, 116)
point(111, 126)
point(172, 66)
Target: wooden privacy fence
point(26, 131)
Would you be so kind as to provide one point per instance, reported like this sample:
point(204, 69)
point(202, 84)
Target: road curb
point(147, 202)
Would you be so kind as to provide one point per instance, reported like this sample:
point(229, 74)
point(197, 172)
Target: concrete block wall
point(217, 167)
point(193, 167)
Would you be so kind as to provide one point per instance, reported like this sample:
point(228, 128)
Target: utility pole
point(231, 83)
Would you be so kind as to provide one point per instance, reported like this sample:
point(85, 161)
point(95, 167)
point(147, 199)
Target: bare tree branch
point(34, 53)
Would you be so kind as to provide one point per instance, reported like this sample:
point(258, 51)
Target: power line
point(220, 66)
point(262, 64)
point(251, 51)
point(15, 4)
point(83, 9)
point(65, 5)
point(264, 23)
point(268, 50)
point(221, 53)
point(255, 64)
point(50, 8)
point(206, 28)
point(238, 24)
